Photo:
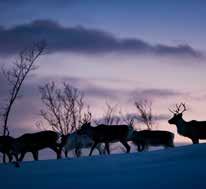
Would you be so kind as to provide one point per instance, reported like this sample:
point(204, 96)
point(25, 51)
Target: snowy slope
point(181, 167)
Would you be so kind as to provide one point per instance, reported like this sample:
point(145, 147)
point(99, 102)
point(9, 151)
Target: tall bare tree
point(110, 115)
point(64, 108)
point(15, 75)
point(144, 113)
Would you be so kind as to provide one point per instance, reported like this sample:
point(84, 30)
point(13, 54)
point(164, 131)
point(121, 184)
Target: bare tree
point(128, 119)
point(15, 76)
point(110, 116)
point(64, 108)
point(144, 113)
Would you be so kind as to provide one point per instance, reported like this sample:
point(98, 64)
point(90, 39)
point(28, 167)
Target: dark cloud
point(91, 89)
point(98, 92)
point(139, 93)
point(81, 40)
point(157, 93)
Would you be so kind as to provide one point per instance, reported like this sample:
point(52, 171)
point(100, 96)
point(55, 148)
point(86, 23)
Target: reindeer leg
point(16, 157)
point(92, 148)
point(22, 156)
point(66, 153)
point(17, 162)
point(144, 146)
point(78, 152)
point(137, 144)
point(58, 151)
point(99, 148)
point(35, 155)
point(124, 142)
point(140, 147)
point(169, 145)
point(195, 140)
point(10, 157)
point(107, 147)
point(4, 157)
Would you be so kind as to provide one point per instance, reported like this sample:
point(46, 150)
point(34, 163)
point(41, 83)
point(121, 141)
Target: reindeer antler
point(87, 117)
point(178, 107)
point(184, 107)
point(171, 110)
point(177, 110)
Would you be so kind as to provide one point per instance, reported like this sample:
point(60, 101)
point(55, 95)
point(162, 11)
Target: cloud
point(100, 92)
point(82, 40)
point(92, 88)
point(157, 93)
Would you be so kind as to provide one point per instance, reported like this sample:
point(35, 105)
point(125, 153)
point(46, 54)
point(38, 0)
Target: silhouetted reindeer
point(33, 142)
point(145, 138)
point(194, 130)
point(106, 134)
point(5, 146)
point(77, 142)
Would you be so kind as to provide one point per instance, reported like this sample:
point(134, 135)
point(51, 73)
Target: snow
point(181, 167)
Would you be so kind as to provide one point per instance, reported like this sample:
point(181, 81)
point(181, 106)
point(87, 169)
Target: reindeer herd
point(94, 137)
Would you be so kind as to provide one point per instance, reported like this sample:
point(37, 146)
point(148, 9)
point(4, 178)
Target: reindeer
point(145, 138)
point(33, 142)
point(5, 146)
point(194, 130)
point(77, 142)
point(106, 134)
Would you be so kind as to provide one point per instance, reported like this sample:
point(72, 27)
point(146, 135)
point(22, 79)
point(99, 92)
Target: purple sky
point(113, 51)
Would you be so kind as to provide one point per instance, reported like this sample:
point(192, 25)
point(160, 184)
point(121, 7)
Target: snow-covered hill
point(181, 167)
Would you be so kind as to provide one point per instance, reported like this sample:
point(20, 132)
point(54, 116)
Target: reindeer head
point(177, 113)
point(86, 124)
point(85, 129)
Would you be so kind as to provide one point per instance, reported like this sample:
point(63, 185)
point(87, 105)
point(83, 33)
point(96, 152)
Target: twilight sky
point(113, 51)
